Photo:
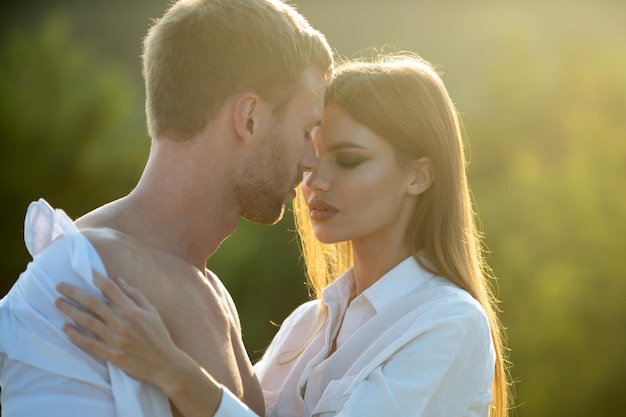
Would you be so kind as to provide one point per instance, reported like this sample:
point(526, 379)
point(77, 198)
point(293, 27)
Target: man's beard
point(262, 189)
point(259, 202)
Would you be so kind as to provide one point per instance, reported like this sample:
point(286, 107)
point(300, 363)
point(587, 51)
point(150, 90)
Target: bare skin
point(145, 348)
point(197, 312)
point(174, 219)
point(160, 236)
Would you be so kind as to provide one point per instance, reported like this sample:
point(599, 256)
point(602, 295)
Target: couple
point(404, 323)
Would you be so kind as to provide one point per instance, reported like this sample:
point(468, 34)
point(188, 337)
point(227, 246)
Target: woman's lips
point(321, 211)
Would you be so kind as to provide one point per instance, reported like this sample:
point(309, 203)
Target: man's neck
point(181, 206)
point(190, 229)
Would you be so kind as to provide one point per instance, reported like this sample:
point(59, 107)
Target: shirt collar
point(341, 289)
point(403, 279)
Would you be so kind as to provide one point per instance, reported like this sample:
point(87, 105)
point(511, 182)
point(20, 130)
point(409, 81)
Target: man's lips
point(320, 210)
point(291, 194)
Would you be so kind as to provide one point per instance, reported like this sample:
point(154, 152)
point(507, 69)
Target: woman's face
point(358, 192)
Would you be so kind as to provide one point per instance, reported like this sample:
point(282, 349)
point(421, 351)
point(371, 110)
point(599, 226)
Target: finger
point(90, 343)
point(84, 319)
point(134, 294)
point(113, 292)
point(87, 301)
point(122, 302)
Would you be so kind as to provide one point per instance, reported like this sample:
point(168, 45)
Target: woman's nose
point(314, 180)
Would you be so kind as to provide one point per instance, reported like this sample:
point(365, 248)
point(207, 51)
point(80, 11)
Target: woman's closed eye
point(347, 160)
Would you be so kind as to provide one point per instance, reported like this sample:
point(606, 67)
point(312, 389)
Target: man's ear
point(422, 175)
point(245, 117)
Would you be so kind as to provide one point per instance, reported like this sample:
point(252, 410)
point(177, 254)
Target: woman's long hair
point(403, 100)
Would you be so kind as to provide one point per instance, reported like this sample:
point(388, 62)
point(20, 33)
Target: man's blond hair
point(203, 51)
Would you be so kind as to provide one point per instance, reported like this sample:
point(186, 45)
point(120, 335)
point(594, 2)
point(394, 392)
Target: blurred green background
point(542, 89)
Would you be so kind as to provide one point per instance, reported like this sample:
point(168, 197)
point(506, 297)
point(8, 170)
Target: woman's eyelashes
point(347, 160)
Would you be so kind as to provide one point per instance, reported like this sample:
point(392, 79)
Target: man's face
point(283, 153)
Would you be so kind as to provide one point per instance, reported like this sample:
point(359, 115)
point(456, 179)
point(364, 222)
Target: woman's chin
point(326, 238)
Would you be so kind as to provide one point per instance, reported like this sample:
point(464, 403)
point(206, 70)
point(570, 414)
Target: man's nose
point(308, 161)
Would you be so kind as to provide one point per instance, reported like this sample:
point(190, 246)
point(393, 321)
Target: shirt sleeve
point(231, 406)
point(446, 369)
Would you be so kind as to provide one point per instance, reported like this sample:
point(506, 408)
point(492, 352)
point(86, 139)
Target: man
point(234, 89)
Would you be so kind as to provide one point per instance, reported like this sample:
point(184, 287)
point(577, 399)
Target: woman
point(410, 326)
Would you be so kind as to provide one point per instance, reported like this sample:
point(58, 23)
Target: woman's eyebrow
point(344, 145)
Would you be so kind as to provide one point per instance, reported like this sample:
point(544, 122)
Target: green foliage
point(549, 174)
point(70, 131)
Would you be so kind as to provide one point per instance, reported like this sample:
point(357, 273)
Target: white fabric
point(41, 372)
point(413, 344)
point(231, 406)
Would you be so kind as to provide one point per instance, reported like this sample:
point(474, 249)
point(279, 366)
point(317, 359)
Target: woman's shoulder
point(295, 330)
point(304, 313)
point(443, 301)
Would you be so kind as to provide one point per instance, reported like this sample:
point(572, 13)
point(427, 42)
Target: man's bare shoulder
point(123, 255)
point(164, 278)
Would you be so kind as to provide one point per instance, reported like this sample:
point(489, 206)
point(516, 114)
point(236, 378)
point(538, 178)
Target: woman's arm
point(130, 334)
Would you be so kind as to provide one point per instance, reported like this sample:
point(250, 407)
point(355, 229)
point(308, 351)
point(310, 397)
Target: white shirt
point(412, 344)
point(41, 372)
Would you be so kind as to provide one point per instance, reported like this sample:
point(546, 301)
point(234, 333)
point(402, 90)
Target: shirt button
point(350, 329)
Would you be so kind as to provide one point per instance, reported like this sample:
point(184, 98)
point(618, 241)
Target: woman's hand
point(128, 332)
